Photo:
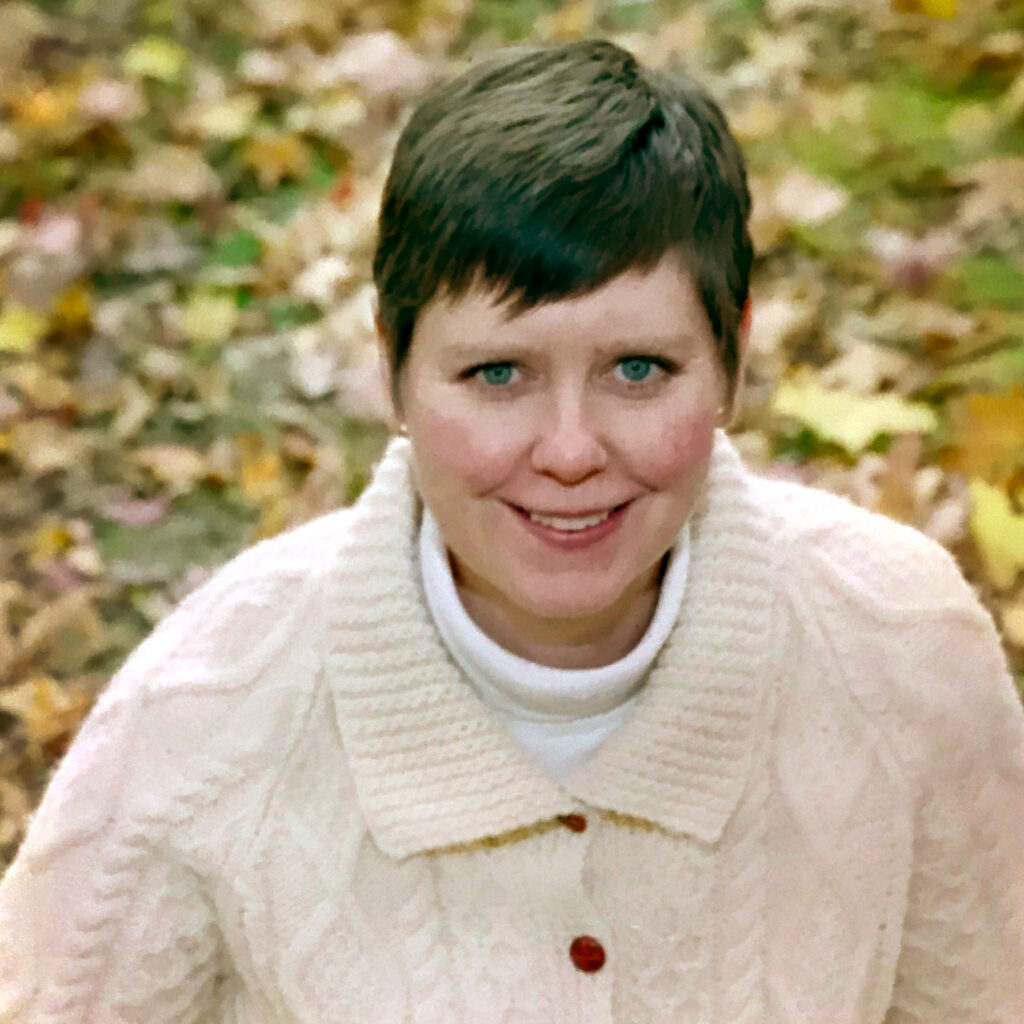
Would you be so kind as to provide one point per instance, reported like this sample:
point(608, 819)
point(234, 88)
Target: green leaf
point(284, 315)
point(240, 249)
point(988, 280)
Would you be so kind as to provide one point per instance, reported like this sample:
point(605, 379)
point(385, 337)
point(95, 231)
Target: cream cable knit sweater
point(289, 807)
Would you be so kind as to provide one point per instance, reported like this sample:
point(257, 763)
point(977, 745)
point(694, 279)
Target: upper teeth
point(570, 524)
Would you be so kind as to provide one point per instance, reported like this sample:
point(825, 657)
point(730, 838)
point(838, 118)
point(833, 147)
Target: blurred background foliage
point(188, 194)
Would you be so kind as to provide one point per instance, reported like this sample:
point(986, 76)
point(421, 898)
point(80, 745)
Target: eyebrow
point(461, 350)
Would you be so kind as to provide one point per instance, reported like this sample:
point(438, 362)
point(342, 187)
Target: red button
point(587, 953)
point(573, 822)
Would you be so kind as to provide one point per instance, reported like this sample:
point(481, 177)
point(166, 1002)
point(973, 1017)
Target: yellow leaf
point(48, 542)
point(570, 21)
point(276, 157)
point(998, 532)
point(229, 119)
point(209, 319)
point(73, 311)
point(933, 8)
point(850, 420)
point(47, 709)
point(260, 473)
point(156, 57)
point(21, 328)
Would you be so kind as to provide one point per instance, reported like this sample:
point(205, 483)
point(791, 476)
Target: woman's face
point(562, 451)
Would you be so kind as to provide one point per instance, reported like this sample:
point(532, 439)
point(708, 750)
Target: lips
point(574, 540)
point(586, 514)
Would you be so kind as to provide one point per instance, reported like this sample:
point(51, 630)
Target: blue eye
point(497, 374)
point(637, 369)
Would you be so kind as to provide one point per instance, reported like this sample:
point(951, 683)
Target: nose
point(568, 447)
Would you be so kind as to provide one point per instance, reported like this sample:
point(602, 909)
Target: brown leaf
point(175, 464)
point(48, 711)
point(989, 435)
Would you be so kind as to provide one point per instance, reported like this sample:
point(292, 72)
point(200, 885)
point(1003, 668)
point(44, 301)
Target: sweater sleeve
point(97, 922)
point(107, 915)
point(962, 955)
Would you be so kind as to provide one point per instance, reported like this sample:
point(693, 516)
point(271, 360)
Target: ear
point(741, 361)
point(384, 365)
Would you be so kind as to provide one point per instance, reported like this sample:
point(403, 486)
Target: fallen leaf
point(175, 464)
point(987, 433)
point(72, 313)
point(42, 446)
point(381, 64)
point(260, 473)
point(170, 173)
point(228, 119)
point(110, 100)
point(209, 319)
point(804, 199)
point(150, 244)
point(47, 710)
point(320, 280)
point(999, 533)
point(933, 8)
point(1013, 622)
point(570, 21)
point(21, 328)
point(865, 369)
point(48, 108)
point(852, 421)
point(995, 191)
point(156, 57)
point(897, 495)
point(47, 542)
point(264, 67)
point(275, 157)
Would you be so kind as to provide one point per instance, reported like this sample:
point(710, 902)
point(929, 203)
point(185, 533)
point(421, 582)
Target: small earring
point(402, 431)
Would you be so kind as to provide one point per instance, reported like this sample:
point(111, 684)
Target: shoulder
point(239, 619)
point(213, 697)
point(887, 568)
point(884, 612)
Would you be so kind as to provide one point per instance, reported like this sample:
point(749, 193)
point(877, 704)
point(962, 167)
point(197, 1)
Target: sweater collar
point(433, 767)
point(521, 688)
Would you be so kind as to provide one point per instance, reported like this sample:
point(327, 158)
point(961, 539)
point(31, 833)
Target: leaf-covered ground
point(187, 201)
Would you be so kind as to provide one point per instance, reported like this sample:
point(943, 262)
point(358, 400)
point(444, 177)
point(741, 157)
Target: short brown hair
point(545, 172)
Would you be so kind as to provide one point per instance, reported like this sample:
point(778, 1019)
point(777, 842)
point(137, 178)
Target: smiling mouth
point(570, 524)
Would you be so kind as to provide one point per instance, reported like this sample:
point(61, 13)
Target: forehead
point(662, 302)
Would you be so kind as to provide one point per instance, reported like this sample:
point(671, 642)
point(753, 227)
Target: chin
point(546, 602)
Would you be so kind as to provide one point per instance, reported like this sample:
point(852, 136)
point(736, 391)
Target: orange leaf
point(988, 433)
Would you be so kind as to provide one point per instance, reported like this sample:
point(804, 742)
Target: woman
point(571, 717)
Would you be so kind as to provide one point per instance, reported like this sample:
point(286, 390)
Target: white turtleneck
point(560, 716)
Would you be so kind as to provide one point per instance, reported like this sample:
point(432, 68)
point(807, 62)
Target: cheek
point(679, 453)
point(454, 447)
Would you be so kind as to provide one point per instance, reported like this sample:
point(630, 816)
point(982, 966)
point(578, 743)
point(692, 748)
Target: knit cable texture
point(289, 806)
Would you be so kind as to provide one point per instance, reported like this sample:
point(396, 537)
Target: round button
point(587, 953)
point(573, 822)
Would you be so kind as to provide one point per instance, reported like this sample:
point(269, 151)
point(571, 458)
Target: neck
point(575, 643)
